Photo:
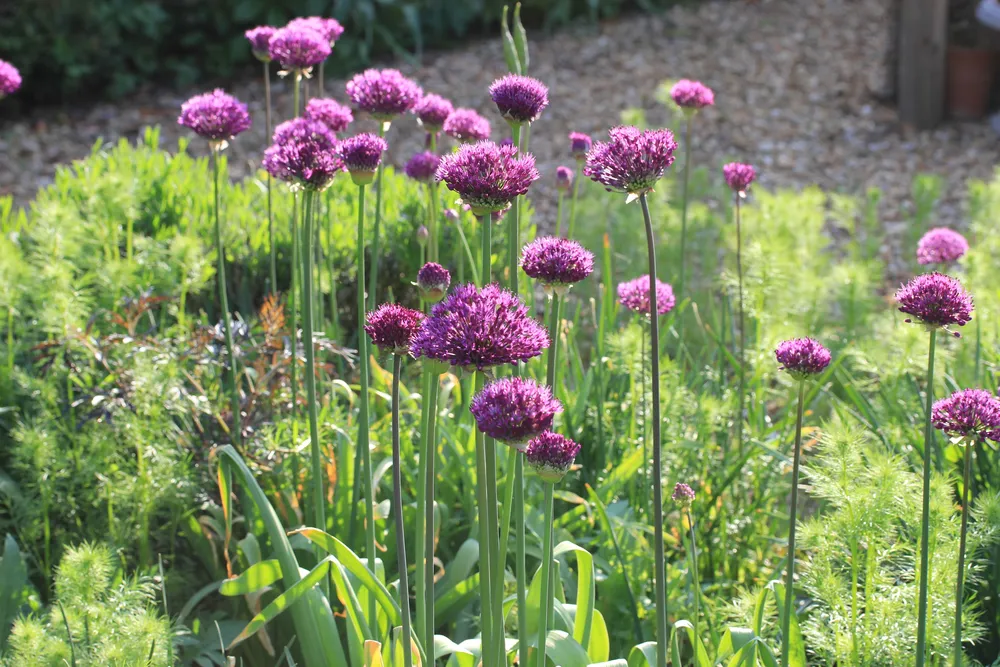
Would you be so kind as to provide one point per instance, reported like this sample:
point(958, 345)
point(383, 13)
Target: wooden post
point(923, 44)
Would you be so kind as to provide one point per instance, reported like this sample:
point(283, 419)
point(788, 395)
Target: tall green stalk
point(318, 500)
point(681, 294)
point(234, 390)
point(270, 218)
point(543, 611)
point(695, 579)
point(925, 514)
point(485, 562)
point(960, 580)
point(293, 287)
point(383, 127)
point(743, 332)
point(793, 506)
point(397, 510)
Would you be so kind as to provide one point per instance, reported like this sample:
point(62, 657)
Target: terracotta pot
point(970, 78)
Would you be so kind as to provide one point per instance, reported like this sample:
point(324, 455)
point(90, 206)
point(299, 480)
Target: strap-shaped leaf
point(701, 655)
point(255, 578)
point(797, 647)
point(509, 49)
point(642, 655)
point(586, 591)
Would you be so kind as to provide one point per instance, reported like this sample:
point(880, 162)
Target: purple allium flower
point(392, 327)
point(564, 178)
point(514, 410)
point(631, 161)
point(384, 93)
point(466, 125)
point(579, 145)
point(557, 263)
point(634, 295)
point(215, 116)
point(683, 495)
point(259, 39)
point(330, 29)
point(331, 113)
point(802, 357)
point(486, 176)
point(422, 166)
point(739, 176)
point(362, 154)
point(968, 413)
point(520, 99)
point(432, 111)
point(936, 300)
point(940, 246)
point(694, 95)
point(10, 79)
point(433, 281)
point(478, 329)
point(304, 154)
point(551, 455)
point(298, 49)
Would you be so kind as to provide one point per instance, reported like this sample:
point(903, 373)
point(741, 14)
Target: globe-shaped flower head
point(467, 126)
point(692, 95)
point(259, 39)
point(392, 327)
point(579, 145)
point(632, 160)
point(432, 111)
point(550, 456)
point(739, 176)
point(304, 155)
point(433, 281)
point(520, 99)
point(10, 79)
point(384, 93)
point(556, 263)
point(802, 357)
point(423, 166)
point(298, 49)
point(941, 246)
point(487, 177)
point(215, 116)
point(479, 329)
point(969, 414)
point(634, 295)
point(331, 113)
point(683, 495)
point(362, 154)
point(564, 178)
point(936, 300)
point(514, 410)
point(330, 29)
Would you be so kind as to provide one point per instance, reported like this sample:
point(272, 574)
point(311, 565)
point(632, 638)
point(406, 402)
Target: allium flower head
point(632, 160)
point(550, 456)
point(693, 95)
point(564, 178)
point(968, 413)
point(936, 300)
point(304, 154)
point(392, 327)
point(259, 39)
point(683, 495)
point(466, 125)
point(362, 155)
point(514, 410)
point(634, 295)
point(422, 166)
point(802, 357)
point(330, 29)
point(384, 93)
point(331, 113)
point(520, 99)
point(579, 145)
point(10, 79)
point(297, 48)
point(941, 246)
point(478, 329)
point(433, 281)
point(487, 177)
point(215, 116)
point(432, 111)
point(556, 263)
point(739, 176)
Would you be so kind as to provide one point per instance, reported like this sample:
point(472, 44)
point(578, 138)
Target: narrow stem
point(485, 567)
point(519, 547)
point(433, 226)
point(543, 629)
point(431, 453)
point(496, 597)
point(485, 248)
point(320, 78)
point(334, 318)
point(296, 88)
point(468, 251)
point(554, 308)
point(397, 510)
point(234, 390)
point(373, 280)
point(319, 513)
point(695, 582)
point(513, 225)
point(681, 294)
point(925, 515)
point(743, 334)
point(644, 477)
point(793, 506)
point(572, 207)
point(960, 581)
point(293, 311)
point(270, 219)
point(658, 558)
point(420, 583)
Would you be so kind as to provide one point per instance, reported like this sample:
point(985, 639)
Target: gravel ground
point(797, 87)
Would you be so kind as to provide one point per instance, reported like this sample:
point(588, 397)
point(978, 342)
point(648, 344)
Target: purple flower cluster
point(514, 410)
point(556, 262)
point(329, 29)
point(936, 300)
point(384, 93)
point(433, 281)
point(941, 246)
point(259, 39)
point(362, 155)
point(968, 413)
point(631, 161)
point(579, 145)
point(422, 166)
point(432, 111)
point(487, 177)
point(392, 327)
point(520, 99)
point(802, 357)
point(215, 116)
point(298, 49)
point(551, 455)
point(331, 113)
point(694, 95)
point(683, 495)
point(304, 154)
point(564, 178)
point(10, 79)
point(478, 329)
point(467, 126)
point(634, 295)
point(739, 176)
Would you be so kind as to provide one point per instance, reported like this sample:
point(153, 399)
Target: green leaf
point(461, 656)
point(642, 655)
point(586, 594)
point(253, 579)
point(509, 49)
point(797, 647)
point(733, 641)
point(520, 40)
point(565, 651)
point(702, 654)
point(599, 647)
point(13, 580)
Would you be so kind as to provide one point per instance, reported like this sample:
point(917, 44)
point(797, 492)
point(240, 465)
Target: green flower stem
point(519, 546)
point(397, 510)
point(420, 585)
point(572, 206)
point(293, 311)
point(234, 389)
point(543, 616)
point(793, 506)
point(317, 248)
point(658, 557)
point(743, 332)
point(318, 500)
point(684, 218)
point(270, 220)
point(695, 579)
point(485, 568)
point(553, 354)
point(334, 319)
point(960, 581)
point(433, 215)
point(644, 476)
point(428, 522)
point(925, 514)
point(468, 251)
point(373, 281)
